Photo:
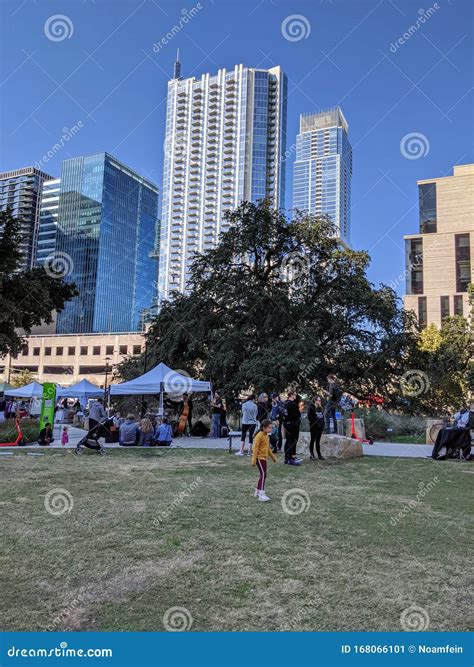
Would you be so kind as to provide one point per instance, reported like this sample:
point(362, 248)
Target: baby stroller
point(91, 439)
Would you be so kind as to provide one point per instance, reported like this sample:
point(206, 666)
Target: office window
point(96, 349)
point(25, 350)
point(463, 262)
point(109, 349)
point(458, 307)
point(415, 260)
point(427, 199)
point(36, 351)
point(444, 307)
point(123, 349)
point(422, 311)
point(84, 349)
point(59, 351)
point(47, 351)
point(137, 349)
point(71, 350)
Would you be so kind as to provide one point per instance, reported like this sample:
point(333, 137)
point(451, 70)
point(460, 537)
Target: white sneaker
point(263, 496)
point(257, 493)
point(240, 453)
point(249, 453)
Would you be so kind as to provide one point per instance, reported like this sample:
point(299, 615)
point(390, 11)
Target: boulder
point(332, 446)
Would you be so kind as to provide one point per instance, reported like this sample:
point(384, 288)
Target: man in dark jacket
point(335, 395)
point(291, 422)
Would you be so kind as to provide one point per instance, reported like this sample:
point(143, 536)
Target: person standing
point(261, 452)
point(249, 423)
point(263, 408)
point(316, 427)
point(216, 409)
point(292, 418)
point(335, 394)
point(64, 436)
point(96, 413)
point(276, 415)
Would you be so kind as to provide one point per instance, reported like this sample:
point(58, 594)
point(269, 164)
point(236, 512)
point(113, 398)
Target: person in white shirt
point(249, 423)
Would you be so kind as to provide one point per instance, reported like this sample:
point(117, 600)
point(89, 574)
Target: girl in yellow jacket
point(260, 453)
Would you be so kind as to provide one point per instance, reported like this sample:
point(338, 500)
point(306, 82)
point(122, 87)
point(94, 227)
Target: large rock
point(332, 445)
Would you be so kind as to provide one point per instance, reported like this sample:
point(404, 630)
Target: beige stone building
point(439, 263)
point(68, 358)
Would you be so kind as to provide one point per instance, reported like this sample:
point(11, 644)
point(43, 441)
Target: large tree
point(27, 298)
point(277, 303)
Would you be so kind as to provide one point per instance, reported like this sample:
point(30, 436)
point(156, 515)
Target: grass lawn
point(152, 530)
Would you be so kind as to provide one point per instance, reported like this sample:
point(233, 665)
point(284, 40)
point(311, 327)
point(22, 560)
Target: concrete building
point(225, 142)
point(439, 257)
point(323, 169)
point(67, 359)
point(21, 190)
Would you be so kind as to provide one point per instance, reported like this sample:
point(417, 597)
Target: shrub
point(381, 425)
point(29, 428)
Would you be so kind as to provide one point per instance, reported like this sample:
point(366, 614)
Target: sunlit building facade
point(48, 222)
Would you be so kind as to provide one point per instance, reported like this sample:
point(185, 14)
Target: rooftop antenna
point(177, 67)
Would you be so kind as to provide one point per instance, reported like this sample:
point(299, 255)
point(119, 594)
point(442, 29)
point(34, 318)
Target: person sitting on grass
point(260, 453)
point(128, 432)
point(146, 433)
point(46, 435)
point(163, 434)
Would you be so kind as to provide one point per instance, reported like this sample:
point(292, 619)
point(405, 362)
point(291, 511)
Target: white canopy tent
point(82, 390)
point(31, 390)
point(160, 380)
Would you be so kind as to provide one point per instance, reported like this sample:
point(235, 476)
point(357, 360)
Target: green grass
point(29, 428)
point(159, 529)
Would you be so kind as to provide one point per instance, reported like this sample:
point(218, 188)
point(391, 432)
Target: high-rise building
point(323, 169)
point(438, 258)
point(20, 190)
point(48, 221)
point(225, 143)
point(107, 220)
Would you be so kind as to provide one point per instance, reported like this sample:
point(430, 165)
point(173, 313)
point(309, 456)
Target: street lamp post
point(107, 368)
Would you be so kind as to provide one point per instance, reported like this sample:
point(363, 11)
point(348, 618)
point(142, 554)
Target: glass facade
point(323, 169)
point(107, 225)
point(48, 222)
point(414, 262)
point(427, 201)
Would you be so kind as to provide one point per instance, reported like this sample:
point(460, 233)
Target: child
point(146, 433)
point(163, 434)
point(260, 453)
point(64, 436)
point(274, 437)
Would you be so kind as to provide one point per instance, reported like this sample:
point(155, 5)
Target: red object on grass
point(354, 434)
point(19, 437)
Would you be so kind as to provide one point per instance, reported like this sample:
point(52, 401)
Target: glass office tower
point(48, 221)
point(21, 191)
point(106, 229)
point(323, 169)
point(225, 143)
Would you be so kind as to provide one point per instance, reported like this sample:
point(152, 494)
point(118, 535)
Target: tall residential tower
point(225, 143)
point(107, 220)
point(323, 169)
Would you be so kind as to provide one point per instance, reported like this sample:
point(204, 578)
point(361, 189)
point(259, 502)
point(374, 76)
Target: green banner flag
point(47, 404)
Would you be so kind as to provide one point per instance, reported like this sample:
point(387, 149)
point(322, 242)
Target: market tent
point(83, 390)
point(32, 390)
point(158, 380)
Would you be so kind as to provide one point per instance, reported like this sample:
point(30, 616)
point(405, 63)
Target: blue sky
point(105, 78)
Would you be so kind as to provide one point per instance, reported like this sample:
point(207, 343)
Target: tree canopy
point(281, 303)
point(27, 298)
